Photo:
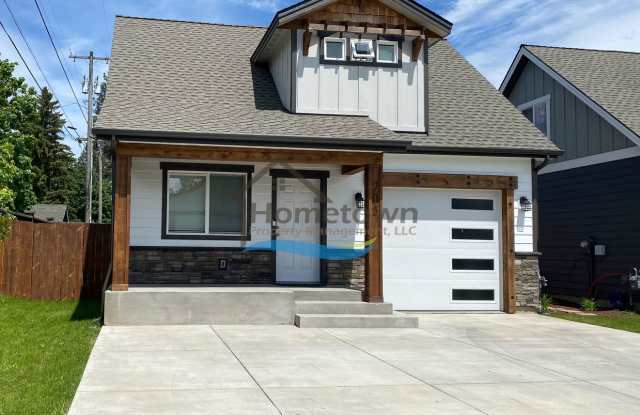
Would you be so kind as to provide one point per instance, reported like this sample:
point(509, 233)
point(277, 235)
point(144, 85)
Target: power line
point(55, 49)
point(24, 39)
point(28, 68)
point(20, 55)
point(35, 59)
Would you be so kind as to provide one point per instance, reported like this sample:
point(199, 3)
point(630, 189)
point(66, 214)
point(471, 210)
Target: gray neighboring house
point(49, 212)
point(588, 103)
point(216, 128)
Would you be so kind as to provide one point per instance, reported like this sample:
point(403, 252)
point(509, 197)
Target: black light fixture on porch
point(359, 201)
point(525, 204)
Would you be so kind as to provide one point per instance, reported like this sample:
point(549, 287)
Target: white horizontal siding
point(146, 196)
point(502, 166)
point(146, 205)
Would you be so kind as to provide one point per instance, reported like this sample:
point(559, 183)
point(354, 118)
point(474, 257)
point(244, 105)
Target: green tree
point(53, 161)
point(17, 115)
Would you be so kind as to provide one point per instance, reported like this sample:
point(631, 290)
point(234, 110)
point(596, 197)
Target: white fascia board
point(622, 154)
point(615, 123)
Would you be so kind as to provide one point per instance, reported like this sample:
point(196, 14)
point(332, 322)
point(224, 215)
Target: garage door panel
point(437, 234)
point(422, 262)
point(420, 254)
point(409, 295)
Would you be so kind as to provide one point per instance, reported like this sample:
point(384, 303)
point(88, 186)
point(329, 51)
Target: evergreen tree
point(53, 161)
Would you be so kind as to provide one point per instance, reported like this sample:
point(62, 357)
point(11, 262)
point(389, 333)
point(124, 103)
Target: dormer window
point(334, 49)
point(362, 50)
point(387, 51)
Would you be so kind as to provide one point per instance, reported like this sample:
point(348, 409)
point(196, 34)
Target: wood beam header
point(449, 181)
point(248, 154)
point(351, 170)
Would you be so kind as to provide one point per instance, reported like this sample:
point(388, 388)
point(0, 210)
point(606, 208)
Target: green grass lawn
point(621, 320)
point(44, 346)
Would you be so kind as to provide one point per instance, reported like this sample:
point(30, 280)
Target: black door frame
point(321, 175)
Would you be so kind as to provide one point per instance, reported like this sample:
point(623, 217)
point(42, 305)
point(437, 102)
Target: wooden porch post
point(373, 231)
point(121, 214)
point(508, 251)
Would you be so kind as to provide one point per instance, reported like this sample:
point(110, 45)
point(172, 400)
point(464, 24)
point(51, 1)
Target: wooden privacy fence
point(55, 261)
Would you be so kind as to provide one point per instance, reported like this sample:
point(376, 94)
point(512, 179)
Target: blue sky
point(487, 32)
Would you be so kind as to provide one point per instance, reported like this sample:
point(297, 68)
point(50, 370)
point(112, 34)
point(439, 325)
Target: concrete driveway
point(453, 364)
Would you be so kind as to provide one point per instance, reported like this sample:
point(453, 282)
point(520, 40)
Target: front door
point(297, 231)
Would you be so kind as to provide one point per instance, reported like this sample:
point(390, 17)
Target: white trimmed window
point(362, 50)
point(538, 112)
point(387, 51)
point(334, 49)
point(206, 203)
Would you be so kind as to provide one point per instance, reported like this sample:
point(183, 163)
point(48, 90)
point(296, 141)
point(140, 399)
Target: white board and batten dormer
point(393, 96)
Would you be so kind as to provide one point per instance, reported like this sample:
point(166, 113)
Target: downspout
point(535, 168)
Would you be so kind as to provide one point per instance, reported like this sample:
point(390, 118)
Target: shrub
point(589, 304)
point(545, 303)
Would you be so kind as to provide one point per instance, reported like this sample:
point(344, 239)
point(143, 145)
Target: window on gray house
point(537, 111)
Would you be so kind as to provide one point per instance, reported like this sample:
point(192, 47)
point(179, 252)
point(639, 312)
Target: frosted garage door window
point(186, 203)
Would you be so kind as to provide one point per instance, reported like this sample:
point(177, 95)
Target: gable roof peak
point(410, 9)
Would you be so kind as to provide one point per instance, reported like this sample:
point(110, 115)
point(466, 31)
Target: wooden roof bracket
point(416, 47)
point(306, 41)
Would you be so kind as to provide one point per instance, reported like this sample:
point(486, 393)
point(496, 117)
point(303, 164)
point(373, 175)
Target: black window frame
point(463, 291)
point(208, 169)
point(469, 199)
point(469, 264)
point(472, 237)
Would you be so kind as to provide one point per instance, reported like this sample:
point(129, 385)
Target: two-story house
point(348, 145)
point(587, 103)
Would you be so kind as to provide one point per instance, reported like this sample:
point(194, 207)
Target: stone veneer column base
point(347, 273)
point(185, 266)
point(527, 281)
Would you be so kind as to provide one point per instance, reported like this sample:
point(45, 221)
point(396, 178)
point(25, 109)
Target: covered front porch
point(243, 260)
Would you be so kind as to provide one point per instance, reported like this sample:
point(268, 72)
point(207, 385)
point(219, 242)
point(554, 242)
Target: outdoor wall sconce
point(525, 204)
point(359, 201)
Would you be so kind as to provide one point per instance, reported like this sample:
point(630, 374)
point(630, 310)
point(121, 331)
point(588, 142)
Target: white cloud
point(267, 5)
point(489, 32)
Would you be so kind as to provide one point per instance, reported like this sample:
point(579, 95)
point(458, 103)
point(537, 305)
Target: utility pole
point(99, 144)
point(88, 181)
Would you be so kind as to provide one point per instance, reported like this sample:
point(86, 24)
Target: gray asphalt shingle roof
point(610, 78)
point(195, 78)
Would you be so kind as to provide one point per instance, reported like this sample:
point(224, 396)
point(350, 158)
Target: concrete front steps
point(344, 309)
point(302, 306)
point(365, 321)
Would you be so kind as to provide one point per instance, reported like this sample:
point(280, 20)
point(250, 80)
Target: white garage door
point(441, 249)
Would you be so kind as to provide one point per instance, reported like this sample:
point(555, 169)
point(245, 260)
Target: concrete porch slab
point(166, 305)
